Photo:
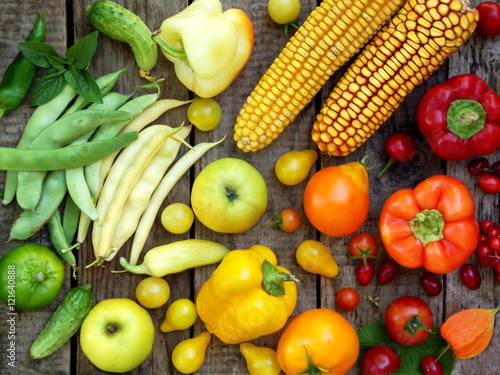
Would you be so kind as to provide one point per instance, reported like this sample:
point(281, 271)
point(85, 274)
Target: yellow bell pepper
point(247, 296)
point(207, 46)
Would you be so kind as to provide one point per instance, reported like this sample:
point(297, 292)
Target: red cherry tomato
point(400, 147)
point(363, 246)
point(486, 225)
point(470, 276)
point(365, 273)
point(431, 284)
point(483, 251)
point(494, 243)
point(408, 320)
point(287, 220)
point(387, 273)
point(493, 232)
point(482, 240)
point(380, 360)
point(489, 183)
point(430, 366)
point(348, 298)
point(489, 18)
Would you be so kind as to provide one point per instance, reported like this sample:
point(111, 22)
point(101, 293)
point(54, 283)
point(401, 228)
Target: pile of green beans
point(46, 171)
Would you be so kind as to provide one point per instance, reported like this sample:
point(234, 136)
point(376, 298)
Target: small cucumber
point(65, 321)
point(121, 24)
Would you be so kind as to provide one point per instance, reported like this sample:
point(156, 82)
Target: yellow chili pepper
point(207, 46)
point(247, 296)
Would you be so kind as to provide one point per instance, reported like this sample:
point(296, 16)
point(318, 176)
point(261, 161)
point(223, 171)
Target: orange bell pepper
point(432, 226)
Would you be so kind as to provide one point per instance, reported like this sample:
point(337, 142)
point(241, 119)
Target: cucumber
point(65, 321)
point(121, 24)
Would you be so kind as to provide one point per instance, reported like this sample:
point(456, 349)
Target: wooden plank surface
point(479, 55)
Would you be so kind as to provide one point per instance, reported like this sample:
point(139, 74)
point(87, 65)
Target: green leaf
point(56, 62)
point(37, 53)
point(80, 54)
point(84, 84)
point(47, 87)
point(376, 333)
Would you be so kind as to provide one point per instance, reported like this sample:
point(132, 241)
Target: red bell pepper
point(460, 118)
point(432, 226)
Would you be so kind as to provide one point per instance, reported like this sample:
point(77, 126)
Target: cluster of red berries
point(488, 175)
point(488, 247)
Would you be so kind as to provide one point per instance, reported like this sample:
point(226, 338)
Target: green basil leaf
point(36, 53)
point(56, 62)
point(84, 84)
point(80, 54)
point(47, 87)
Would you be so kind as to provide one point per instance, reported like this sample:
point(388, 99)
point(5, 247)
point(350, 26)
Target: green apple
point(117, 335)
point(229, 196)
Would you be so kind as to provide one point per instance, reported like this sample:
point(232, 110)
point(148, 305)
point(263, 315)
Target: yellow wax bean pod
point(125, 185)
point(166, 184)
point(149, 180)
point(116, 173)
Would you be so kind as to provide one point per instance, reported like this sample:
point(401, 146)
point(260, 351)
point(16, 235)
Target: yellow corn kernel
point(434, 30)
point(333, 33)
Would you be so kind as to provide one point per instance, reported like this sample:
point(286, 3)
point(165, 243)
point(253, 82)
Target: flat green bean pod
point(62, 158)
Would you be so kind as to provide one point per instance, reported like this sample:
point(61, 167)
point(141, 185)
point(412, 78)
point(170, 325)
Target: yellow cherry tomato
point(188, 355)
point(152, 292)
point(283, 11)
point(314, 257)
point(181, 314)
point(293, 167)
point(260, 360)
point(177, 218)
point(204, 113)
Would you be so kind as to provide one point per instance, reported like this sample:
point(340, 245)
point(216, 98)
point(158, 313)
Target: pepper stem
point(465, 118)
point(273, 280)
point(179, 53)
point(427, 226)
point(137, 269)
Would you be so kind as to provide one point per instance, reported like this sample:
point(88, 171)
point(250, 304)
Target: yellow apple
point(229, 196)
point(117, 335)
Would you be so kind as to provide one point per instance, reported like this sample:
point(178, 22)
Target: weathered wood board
point(67, 22)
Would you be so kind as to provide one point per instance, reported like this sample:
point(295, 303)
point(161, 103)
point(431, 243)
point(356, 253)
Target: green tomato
point(31, 276)
point(204, 113)
point(283, 11)
point(177, 218)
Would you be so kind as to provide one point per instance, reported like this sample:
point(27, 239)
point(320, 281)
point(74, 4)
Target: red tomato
point(387, 273)
point(489, 183)
point(336, 199)
point(365, 273)
point(486, 225)
point(288, 220)
point(489, 18)
point(430, 366)
point(400, 316)
point(401, 147)
point(363, 245)
point(348, 298)
point(380, 360)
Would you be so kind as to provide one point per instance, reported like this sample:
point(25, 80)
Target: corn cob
point(333, 33)
point(401, 56)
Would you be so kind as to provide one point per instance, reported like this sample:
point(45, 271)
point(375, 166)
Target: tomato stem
point(40, 277)
point(311, 369)
point(414, 324)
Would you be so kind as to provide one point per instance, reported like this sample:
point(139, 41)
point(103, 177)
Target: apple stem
point(111, 328)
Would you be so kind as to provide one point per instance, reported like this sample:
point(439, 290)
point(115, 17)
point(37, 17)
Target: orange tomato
point(324, 337)
point(336, 199)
